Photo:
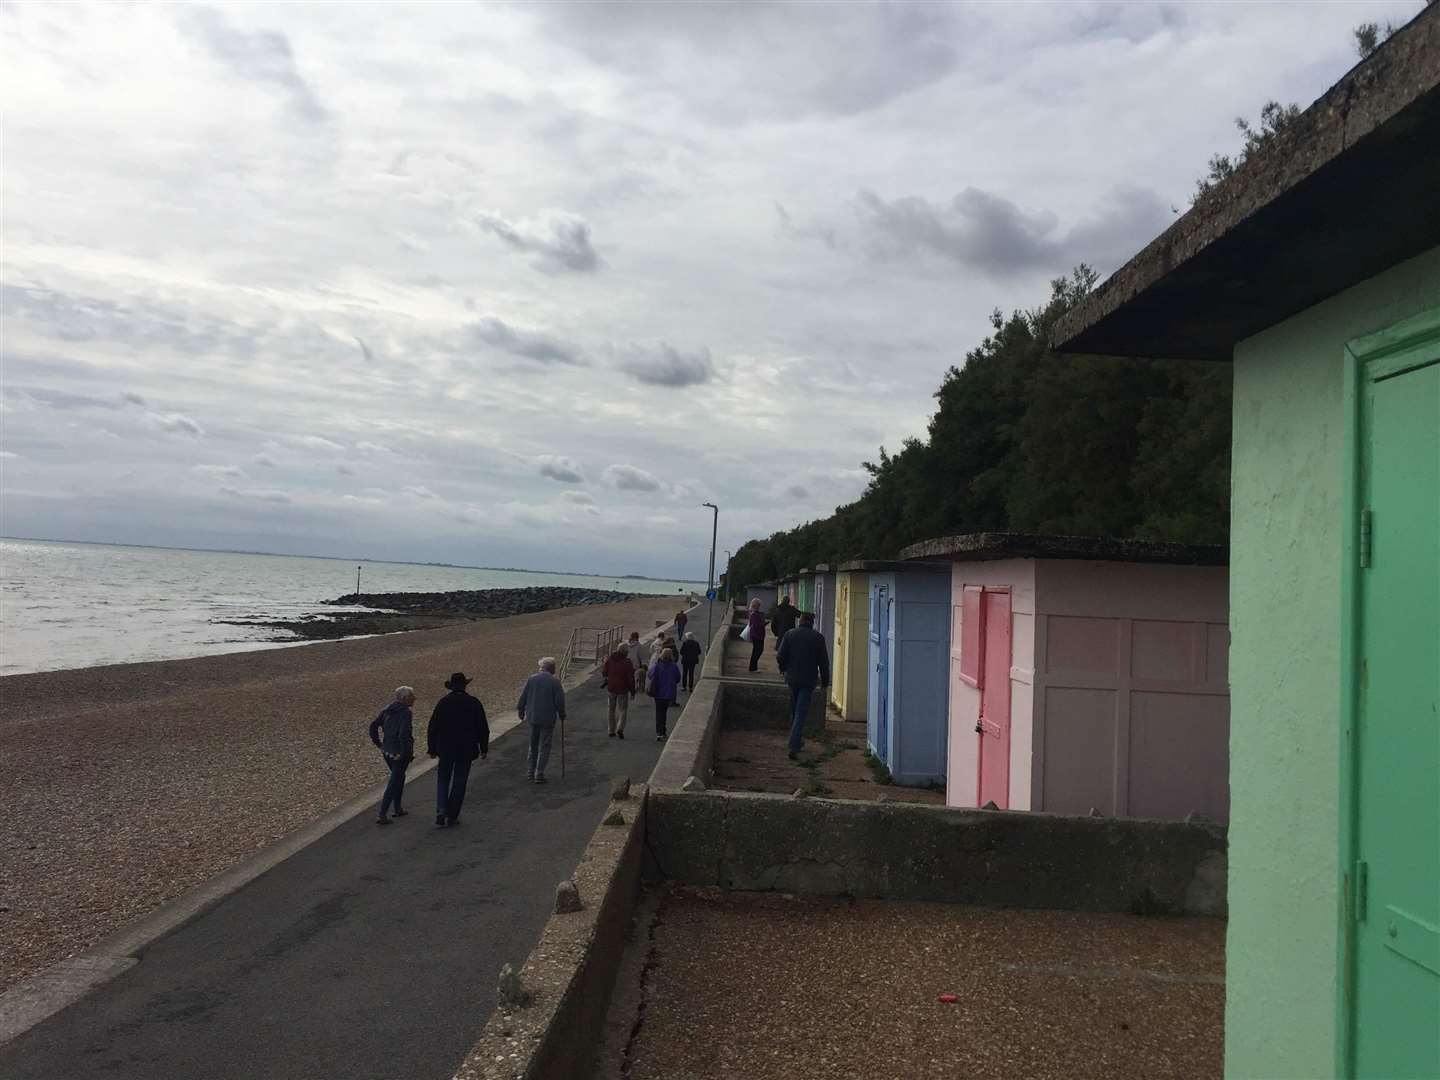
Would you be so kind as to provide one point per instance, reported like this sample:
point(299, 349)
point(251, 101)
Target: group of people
point(627, 673)
point(458, 733)
point(800, 654)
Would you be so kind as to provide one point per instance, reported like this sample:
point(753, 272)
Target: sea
point(71, 605)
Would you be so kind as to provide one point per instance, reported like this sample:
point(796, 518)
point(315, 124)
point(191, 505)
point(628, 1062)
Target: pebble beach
point(127, 784)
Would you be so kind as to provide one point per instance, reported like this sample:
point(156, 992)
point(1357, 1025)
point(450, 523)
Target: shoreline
point(130, 783)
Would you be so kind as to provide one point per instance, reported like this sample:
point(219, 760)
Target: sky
point(525, 285)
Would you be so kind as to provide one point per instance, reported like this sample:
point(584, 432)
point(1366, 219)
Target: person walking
point(457, 735)
point(392, 732)
point(802, 656)
point(542, 702)
point(681, 619)
point(637, 655)
point(755, 622)
point(689, 661)
point(782, 619)
point(619, 675)
point(663, 685)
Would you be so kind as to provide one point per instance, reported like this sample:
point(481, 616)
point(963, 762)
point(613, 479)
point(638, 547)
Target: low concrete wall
point(896, 851)
point(571, 972)
point(750, 703)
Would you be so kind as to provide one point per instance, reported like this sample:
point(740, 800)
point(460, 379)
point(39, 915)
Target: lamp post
point(710, 585)
point(729, 587)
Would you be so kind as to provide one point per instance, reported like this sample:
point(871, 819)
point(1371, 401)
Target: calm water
point(78, 605)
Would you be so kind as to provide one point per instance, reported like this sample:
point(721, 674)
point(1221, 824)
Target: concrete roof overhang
point(979, 547)
point(890, 566)
point(1349, 190)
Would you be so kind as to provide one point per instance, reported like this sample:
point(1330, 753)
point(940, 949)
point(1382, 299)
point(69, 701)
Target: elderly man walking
point(619, 675)
point(542, 702)
point(802, 656)
point(393, 734)
point(457, 735)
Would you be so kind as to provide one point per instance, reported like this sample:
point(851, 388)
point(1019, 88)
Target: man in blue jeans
point(458, 734)
point(803, 659)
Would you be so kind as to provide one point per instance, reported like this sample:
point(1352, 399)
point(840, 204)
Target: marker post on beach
point(357, 582)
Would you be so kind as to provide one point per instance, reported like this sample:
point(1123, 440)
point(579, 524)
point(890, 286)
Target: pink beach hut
point(1087, 674)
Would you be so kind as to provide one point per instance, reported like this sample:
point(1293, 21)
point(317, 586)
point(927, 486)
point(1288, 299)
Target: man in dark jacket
point(457, 735)
point(689, 661)
point(392, 733)
point(782, 619)
point(802, 656)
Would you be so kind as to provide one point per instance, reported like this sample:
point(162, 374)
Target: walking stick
point(562, 748)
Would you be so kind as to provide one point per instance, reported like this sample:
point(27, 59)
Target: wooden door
point(994, 725)
point(881, 624)
point(1395, 771)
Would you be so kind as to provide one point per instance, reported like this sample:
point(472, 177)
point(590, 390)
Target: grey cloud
point(364, 349)
point(421, 492)
point(366, 447)
point(263, 56)
point(132, 397)
point(665, 365)
point(629, 478)
point(258, 495)
point(559, 241)
point(264, 461)
point(795, 491)
point(990, 233)
point(59, 399)
point(174, 424)
point(580, 498)
point(318, 442)
point(227, 472)
point(531, 344)
point(344, 470)
point(780, 59)
point(561, 469)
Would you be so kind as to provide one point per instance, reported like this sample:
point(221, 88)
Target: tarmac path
point(372, 953)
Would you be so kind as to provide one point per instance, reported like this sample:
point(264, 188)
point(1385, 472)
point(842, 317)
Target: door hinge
point(1362, 889)
point(1365, 544)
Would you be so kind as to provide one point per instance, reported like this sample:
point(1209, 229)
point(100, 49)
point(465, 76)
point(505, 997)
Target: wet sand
point(125, 785)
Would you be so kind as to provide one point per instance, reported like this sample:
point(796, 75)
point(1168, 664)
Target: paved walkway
point(371, 953)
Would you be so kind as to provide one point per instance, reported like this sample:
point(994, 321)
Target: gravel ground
point(126, 785)
point(763, 985)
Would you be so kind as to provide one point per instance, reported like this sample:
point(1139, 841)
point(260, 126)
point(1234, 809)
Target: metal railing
point(590, 644)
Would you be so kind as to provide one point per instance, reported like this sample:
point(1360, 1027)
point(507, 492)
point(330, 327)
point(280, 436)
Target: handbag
point(745, 634)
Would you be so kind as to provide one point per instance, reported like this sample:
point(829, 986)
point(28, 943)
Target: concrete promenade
point(373, 952)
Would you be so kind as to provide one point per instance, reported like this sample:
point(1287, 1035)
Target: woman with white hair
point(392, 732)
point(664, 685)
point(755, 633)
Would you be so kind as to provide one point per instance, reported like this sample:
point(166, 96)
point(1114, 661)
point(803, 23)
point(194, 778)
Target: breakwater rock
point(423, 611)
point(485, 603)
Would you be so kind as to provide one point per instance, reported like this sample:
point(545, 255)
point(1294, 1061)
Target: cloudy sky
point(525, 285)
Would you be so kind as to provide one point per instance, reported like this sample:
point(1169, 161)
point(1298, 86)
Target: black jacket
point(457, 726)
point(783, 619)
point(690, 653)
point(801, 655)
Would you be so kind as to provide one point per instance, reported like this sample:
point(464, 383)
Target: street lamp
point(729, 586)
point(710, 586)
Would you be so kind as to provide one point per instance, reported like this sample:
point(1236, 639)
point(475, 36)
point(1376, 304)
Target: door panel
point(1396, 993)
point(995, 702)
point(882, 673)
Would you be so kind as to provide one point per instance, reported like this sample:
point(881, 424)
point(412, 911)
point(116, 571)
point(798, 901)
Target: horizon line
point(343, 559)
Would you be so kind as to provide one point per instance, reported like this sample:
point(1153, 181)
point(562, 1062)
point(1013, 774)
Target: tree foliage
point(1274, 118)
point(1027, 441)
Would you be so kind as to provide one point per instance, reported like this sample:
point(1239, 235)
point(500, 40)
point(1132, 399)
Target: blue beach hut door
point(880, 624)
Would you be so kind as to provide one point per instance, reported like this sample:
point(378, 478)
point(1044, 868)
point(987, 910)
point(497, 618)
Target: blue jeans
point(539, 750)
point(451, 776)
point(799, 709)
point(396, 787)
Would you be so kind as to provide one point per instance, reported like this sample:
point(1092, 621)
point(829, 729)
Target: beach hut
point(850, 645)
point(824, 608)
point(1314, 272)
point(1086, 674)
point(764, 592)
point(909, 640)
point(805, 591)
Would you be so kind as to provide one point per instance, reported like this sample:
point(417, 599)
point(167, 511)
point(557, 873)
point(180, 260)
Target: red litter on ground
point(949, 999)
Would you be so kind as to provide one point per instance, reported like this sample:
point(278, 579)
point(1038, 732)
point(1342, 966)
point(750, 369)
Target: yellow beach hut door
point(1395, 771)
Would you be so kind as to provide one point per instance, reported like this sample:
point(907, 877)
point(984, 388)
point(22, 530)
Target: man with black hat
point(457, 735)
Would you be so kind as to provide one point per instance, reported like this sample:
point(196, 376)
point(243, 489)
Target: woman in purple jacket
point(664, 685)
point(757, 634)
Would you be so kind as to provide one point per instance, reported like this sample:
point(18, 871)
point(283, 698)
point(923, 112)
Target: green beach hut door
point(1395, 767)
